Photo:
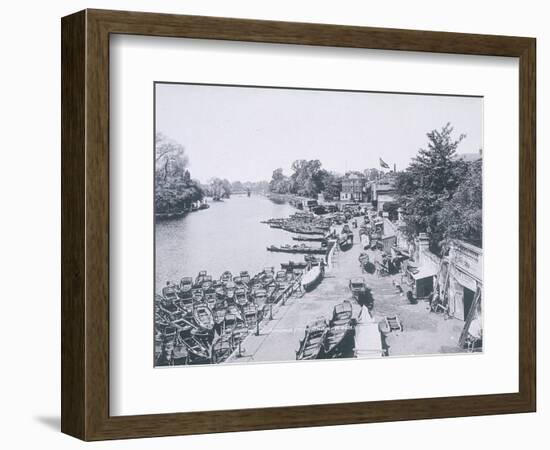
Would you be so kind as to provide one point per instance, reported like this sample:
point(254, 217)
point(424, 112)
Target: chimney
point(423, 244)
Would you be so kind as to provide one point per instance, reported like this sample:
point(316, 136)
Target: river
point(226, 236)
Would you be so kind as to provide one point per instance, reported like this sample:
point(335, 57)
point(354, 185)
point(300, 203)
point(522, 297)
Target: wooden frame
point(85, 224)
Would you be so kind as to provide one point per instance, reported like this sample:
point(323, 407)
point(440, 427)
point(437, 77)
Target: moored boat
point(226, 277)
point(296, 249)
point(195, 346)
point(241, 297)
point(203, 316)
point(170, 293)
point(250, 314)
point(312, 343)
point(186, 284)
point(339, 329)
point(245, 276)
point(200, 278)
point(312, 277)
point(221, 348)
point(291, 265)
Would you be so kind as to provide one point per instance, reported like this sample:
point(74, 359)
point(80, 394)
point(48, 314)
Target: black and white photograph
point(297, 224)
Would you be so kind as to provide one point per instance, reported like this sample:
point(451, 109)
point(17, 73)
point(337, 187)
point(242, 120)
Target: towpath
point(424, 332)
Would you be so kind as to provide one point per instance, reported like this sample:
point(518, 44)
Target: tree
point(429, 183)
point(461, 217)
point(306, 179)
point(174, 188)
point(391, 208)
point(332, 183)
point(170, 158)
point(279, 184)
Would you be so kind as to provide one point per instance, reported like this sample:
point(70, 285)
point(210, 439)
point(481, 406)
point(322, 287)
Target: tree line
point(308, 179)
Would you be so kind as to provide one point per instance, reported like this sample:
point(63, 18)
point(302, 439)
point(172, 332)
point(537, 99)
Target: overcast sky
point(242, 133)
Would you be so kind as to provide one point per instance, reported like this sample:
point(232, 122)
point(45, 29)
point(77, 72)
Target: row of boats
point(203, 320)
point(305, 223)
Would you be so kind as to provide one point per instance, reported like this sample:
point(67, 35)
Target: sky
point(244, 133)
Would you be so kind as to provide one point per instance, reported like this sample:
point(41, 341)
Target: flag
point(383, 164)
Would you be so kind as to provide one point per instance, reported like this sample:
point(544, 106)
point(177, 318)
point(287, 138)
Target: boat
point(229, 322)
point(311, 345)
point(312, 277)
point(339, 329)
point(221, 348)
point(240, 331)
point(219, 311)
point(226, 276)
point(268, 271)
point(241, 297)
point(296, 249)
point(230, 290)
point(200, 278)
point(260, 296)
point(186, 284)
point(197, 294)
point(211, 299)
point(245, 276)
point(170, 293)
point(291, 265)
point(169, 311)
point(345, 241)
point(203, 316)
point(281, 276)
point(250, 314)
point(304, 230)
point(235, 311)
point(309, 239)
point(195, 346)
point(207, 282)
point(220, 291)
point(179, 351)
point(204, 206)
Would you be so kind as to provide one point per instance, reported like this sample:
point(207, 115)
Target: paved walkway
point(279, 338)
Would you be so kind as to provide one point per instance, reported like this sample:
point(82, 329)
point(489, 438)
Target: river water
point(227, 236)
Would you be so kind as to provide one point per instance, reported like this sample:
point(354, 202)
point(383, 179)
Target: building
point(389, 235)
point(424, 268)
point(383, 191)
point(464, 279)
point(353, 188)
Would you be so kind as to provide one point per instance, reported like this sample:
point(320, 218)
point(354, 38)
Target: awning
point(424, 272)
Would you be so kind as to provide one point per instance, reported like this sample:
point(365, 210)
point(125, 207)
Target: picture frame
point(85, 224)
